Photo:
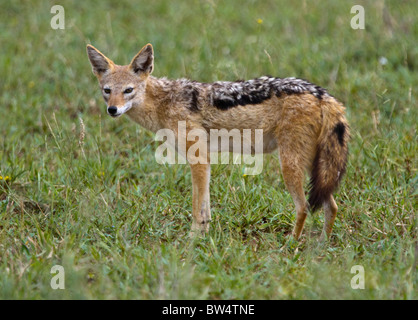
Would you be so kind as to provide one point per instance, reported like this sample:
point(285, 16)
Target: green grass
point(118, 222)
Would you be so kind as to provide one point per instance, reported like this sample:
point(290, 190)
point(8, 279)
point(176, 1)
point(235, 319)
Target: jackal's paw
point(199, 229)
point(324, 238)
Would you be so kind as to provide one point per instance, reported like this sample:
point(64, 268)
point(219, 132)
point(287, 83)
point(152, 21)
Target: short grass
point(84, 191)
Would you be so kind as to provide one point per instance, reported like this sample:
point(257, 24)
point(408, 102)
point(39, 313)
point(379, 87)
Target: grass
point(85, 192)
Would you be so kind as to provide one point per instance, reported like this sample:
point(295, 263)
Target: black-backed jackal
point(305, 123)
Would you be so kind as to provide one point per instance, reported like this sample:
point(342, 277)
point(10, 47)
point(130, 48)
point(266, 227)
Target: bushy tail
point(330, 161)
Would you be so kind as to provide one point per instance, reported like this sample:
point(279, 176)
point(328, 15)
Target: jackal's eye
point(107, 90)
point(129, 90)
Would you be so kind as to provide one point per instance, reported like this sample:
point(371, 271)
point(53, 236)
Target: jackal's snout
point(112, 110)
point(118, 110)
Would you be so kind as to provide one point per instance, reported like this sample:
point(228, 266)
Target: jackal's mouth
point(115, 112)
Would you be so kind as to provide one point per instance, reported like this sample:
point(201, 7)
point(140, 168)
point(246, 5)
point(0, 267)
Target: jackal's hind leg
point(330, 210)
point(293, 175)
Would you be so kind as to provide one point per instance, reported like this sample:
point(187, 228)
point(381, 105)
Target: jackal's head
point(123, 87)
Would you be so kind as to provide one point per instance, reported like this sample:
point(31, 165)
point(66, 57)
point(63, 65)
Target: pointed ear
point(99, 61)
point(143, 62)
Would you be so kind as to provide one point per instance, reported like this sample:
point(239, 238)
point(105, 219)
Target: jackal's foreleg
point(201, 198)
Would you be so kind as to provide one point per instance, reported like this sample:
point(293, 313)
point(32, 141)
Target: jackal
point(302, 120)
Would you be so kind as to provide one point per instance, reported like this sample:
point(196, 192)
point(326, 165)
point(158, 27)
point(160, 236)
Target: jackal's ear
point(143, 62)
point(99, 61)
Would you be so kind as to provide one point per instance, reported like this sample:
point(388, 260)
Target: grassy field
point(83, 190)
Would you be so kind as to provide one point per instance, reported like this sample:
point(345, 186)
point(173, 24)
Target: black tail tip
point(319, 193)
point(315, 201)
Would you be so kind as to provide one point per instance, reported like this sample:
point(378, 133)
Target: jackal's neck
point(148, 110)
point(163, 90)
point(161, 94)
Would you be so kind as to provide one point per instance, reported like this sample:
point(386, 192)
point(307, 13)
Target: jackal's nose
point(112, 110)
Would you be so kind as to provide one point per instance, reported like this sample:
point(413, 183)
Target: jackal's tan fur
point(301, 120)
